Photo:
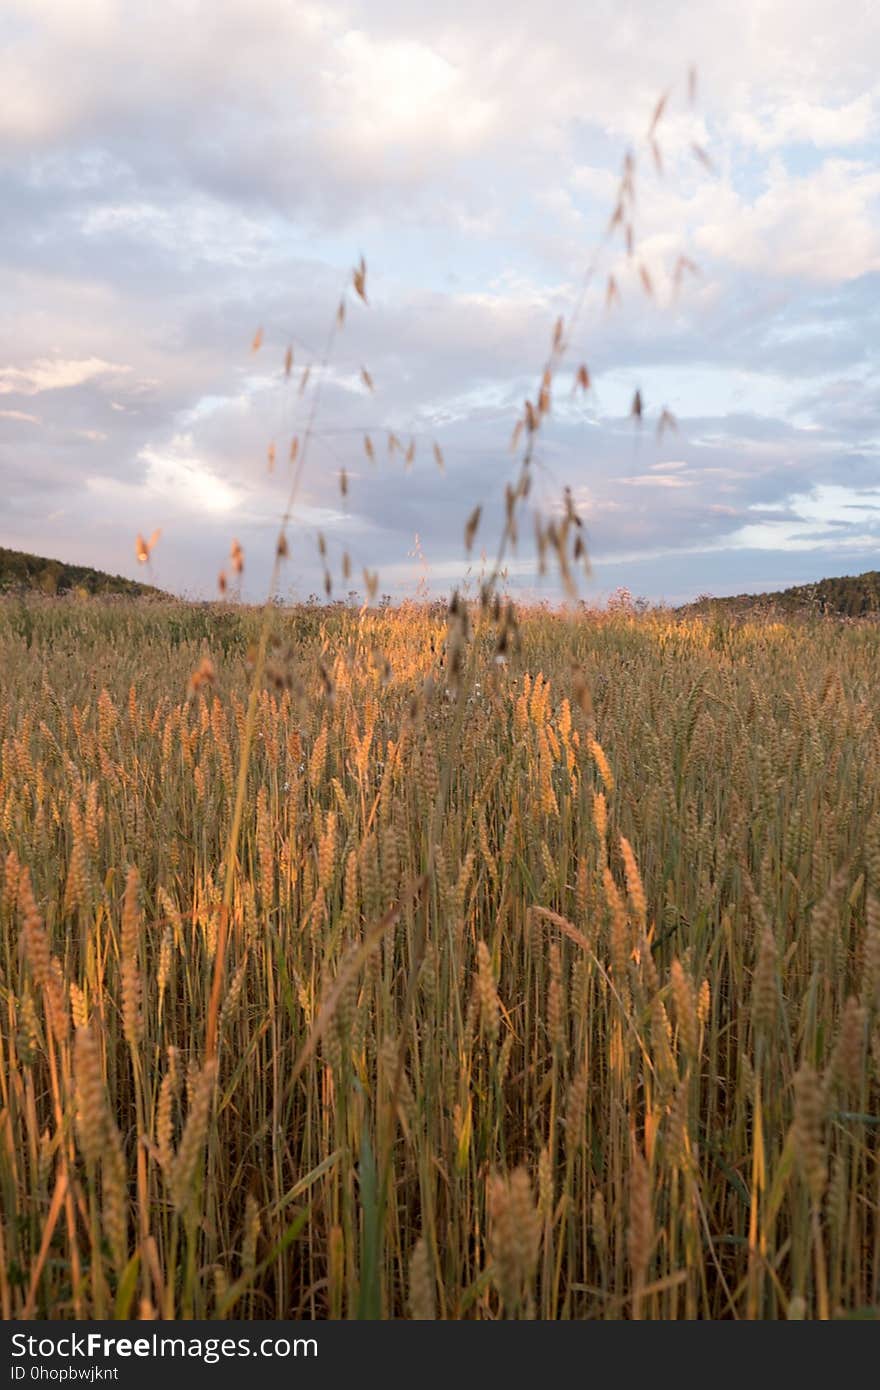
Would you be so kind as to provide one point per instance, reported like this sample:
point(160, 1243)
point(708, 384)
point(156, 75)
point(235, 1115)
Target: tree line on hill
point(847, 596)
point(21, 573)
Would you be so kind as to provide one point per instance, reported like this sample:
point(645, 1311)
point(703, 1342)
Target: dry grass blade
point(58, 1194)
point(356, 963)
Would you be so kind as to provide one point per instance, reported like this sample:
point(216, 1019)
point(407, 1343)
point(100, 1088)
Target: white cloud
point(402, 91)
point(55, 374)
point(803, 122)
point(821, 226)
point(654, 480)
point(194, 227)
point(177, 475)
point(818, 519)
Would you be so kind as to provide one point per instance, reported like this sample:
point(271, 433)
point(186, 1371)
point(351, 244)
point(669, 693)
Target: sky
point(176, 177)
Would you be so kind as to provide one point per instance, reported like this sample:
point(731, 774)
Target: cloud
point(401, 90)
point(654, 480)
point(54, 375)
point(172, 179)
point(820, 226)
point(802, 122)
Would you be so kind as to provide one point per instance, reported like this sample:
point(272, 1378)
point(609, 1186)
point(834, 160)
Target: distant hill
point(21, 573)
point(850, 596)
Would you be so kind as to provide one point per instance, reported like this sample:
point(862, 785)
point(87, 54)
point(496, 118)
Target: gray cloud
point(171, 182)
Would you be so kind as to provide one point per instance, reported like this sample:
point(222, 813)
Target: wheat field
point(548, 988)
